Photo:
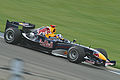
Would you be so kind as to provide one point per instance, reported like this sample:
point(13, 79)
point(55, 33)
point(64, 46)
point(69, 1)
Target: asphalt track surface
point(57, 67)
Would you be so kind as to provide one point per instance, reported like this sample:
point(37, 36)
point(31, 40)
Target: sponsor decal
point(46, 44)
point(43, 31)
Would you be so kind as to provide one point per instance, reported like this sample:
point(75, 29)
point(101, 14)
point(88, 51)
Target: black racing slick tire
point(102, 51)
point(76, 54)
point(12, 35)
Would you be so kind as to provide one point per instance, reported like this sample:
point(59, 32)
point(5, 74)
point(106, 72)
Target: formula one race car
point(25, 34)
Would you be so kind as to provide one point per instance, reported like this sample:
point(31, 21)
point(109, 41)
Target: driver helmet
point(52, 29)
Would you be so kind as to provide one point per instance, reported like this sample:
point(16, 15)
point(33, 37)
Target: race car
point(21, 33)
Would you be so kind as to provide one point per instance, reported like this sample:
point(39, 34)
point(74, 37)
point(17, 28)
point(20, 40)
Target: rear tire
point(12, 35)
point(76, 54)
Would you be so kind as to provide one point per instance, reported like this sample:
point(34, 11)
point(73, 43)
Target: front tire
point(76, 54)
point(12, 35)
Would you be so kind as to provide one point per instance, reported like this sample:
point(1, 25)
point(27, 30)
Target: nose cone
point(101, 56)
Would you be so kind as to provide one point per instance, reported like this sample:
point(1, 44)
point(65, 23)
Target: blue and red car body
point(55, 46)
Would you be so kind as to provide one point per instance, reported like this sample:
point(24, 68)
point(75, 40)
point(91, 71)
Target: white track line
point(114, 72)
point(1, 36)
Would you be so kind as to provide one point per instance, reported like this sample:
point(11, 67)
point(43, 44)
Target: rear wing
point(10, 24)
point(19, 25)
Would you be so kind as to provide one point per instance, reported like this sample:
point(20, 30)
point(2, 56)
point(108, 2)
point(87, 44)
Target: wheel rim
point(73, 54)
point(9, 35)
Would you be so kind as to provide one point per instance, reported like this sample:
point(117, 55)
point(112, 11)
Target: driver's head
point(52, 28)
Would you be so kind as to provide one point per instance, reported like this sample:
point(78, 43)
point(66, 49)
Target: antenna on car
point(91, 44)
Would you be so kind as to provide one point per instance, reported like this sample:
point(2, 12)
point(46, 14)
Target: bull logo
point(45, 43)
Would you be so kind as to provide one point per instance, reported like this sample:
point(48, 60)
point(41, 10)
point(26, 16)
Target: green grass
point(86, 20)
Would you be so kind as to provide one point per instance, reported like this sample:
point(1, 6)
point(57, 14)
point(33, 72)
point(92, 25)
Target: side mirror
point(74, 41)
